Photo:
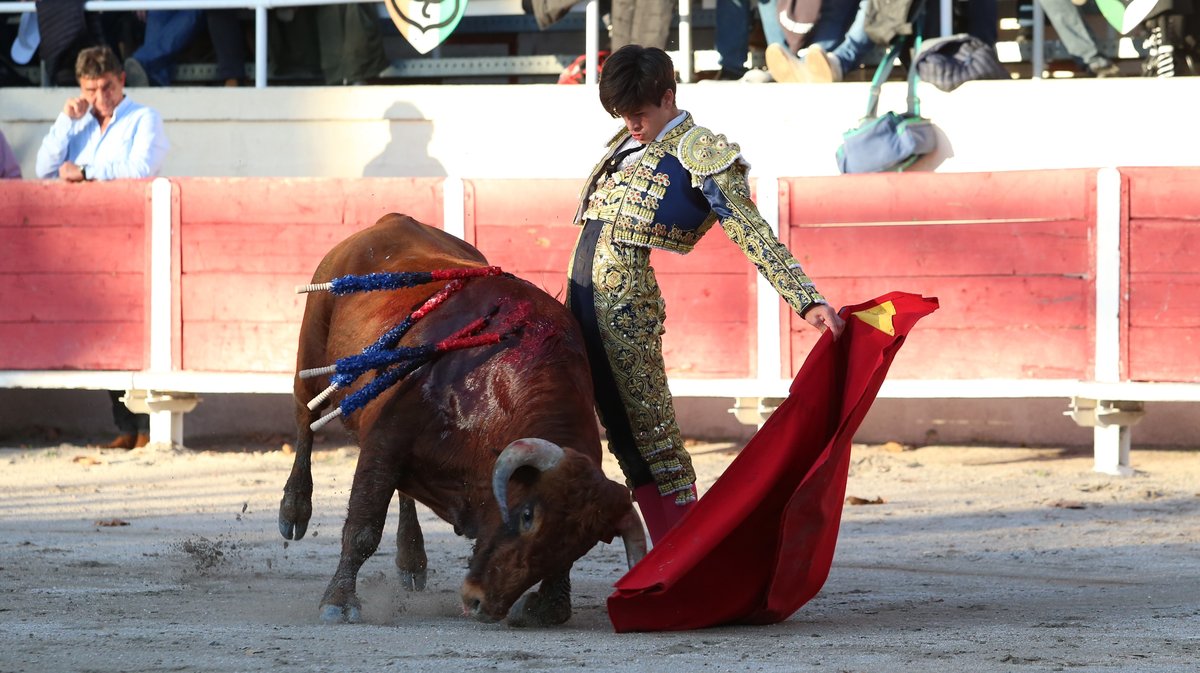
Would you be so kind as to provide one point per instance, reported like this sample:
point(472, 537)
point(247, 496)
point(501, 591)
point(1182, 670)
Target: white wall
point(557, 131)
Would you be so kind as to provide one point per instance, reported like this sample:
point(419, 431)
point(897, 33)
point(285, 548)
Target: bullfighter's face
point(647, 122)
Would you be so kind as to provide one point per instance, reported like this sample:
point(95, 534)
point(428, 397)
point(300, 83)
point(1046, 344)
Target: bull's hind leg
point(369, 498)
point(295, 509)
point(410, 546)
point(548, 606)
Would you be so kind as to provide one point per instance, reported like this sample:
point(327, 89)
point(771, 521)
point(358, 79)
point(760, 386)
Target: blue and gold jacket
point(671, 196)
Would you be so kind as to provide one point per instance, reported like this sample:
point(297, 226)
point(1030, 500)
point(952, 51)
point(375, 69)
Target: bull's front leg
point(295, 509)
point(369, 498)
point(411, 561)
point(548, 606)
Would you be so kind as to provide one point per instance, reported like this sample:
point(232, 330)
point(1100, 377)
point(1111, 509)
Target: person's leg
point(229, 42)
point(733, 36)
point(362, 45)
point(835, 20)
point(1072, 30)
point(652, 22)
point(125, 420)
point(855, 46)
point(768, 15)
point(331, 28)
point(615, 297)
point(983, 20)
point(840, 26)
point(167, 33)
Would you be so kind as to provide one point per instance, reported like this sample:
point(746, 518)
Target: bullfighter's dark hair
point(635, 77)
point(96, 62)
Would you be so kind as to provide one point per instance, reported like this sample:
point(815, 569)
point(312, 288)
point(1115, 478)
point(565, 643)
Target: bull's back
point(397, 243)
point(334, 326)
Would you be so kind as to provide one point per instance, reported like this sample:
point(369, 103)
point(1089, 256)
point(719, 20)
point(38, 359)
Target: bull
point(499, 440)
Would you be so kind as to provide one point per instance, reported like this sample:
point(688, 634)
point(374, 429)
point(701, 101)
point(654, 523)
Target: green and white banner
point(1125, 15)
point(426, 23)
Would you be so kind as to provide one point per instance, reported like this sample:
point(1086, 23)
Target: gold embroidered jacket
point(671, 196)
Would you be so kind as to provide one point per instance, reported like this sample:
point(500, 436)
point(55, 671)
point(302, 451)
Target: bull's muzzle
point(473, 601)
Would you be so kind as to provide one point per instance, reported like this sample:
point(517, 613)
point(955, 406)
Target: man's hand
point(72, 173)
point(822, 316)
point(76, 107)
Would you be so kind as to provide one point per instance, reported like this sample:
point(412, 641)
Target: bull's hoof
point(290, 530)
point(336, 614)
point(292, 526)
point(412, 581)
point(533, 609)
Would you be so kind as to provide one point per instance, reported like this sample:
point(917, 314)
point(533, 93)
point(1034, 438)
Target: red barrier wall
point(1163, 274)
point(73, 285)
point(525, 226)
point(246, 244)
point(1009, 256)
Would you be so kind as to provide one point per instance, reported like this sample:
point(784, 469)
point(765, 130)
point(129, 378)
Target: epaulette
point(705, 153)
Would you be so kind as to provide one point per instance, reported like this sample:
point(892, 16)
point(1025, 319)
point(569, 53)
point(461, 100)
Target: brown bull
point(500, 440)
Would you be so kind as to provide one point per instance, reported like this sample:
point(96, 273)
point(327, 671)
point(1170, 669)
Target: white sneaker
point(756, 76)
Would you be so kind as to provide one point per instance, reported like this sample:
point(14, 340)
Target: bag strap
point(884, 69)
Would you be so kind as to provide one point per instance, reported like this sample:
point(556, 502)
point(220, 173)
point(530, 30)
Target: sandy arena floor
point(979, 559)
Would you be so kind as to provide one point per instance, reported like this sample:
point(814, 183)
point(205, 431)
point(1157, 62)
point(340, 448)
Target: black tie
point(615, 162)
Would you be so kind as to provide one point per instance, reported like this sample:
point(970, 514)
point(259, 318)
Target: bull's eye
point(527, 519)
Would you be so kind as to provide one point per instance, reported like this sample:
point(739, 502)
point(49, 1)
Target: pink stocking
point(659, 511)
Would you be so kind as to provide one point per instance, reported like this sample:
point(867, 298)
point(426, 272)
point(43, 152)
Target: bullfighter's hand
point(70, 172)
point(76, 107)
point(823, 317)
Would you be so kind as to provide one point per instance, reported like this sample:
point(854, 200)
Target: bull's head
point(560, 509)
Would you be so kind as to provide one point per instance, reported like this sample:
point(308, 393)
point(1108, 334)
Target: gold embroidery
point(704, 153)
point(754, 236)
point(630, 313)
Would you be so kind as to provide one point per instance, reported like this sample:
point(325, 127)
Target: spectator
point(228, 37)
point(662, 184)
point(104, 135)
point(64, 29)
point(9, 168)
point(979, 18)
point(644, 22)
point(733, 35)
point(837, 44)
point(167, 34)
point(1077, 38)
point(350, 43)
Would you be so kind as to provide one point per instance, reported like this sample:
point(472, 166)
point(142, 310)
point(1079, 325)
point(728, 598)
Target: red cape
point(759, 544)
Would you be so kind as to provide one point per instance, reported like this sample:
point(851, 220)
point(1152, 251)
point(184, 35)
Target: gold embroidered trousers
point(615, 296)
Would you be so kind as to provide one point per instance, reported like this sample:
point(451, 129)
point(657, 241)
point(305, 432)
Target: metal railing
point(477, 8)
point(260, 7)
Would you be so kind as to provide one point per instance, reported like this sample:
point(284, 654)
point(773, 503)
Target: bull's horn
point(634, 536)
point(536, 453)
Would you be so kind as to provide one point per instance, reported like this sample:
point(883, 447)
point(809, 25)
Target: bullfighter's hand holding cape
point(760, 543)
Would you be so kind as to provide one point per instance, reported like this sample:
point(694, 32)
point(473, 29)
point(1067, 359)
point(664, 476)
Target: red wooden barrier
point(1163, 279)
point(525, 227)
point(1009, 255)
point(73, 285)
point(246, 243)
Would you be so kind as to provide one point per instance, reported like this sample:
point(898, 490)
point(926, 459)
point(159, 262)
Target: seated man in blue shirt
point(102, 134)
